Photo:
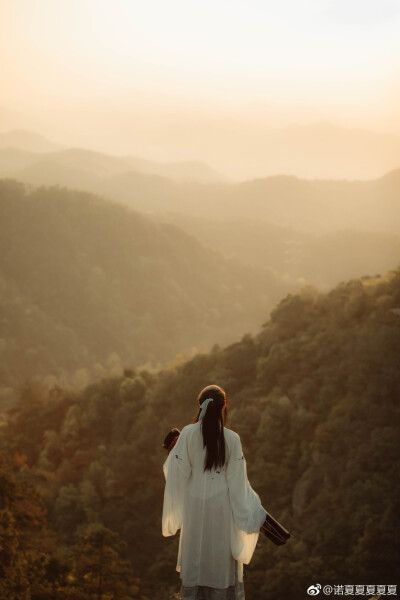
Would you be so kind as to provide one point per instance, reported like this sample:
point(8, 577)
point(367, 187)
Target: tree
point(98, 567)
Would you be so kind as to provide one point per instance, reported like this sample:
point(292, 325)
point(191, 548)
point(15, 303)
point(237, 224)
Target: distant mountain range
point(31, 155)
point(310, 206)
point(247, 148)
point(284, 223)
point(28, 141)
point(320, 260)
point(87, 284)
point(242, 148)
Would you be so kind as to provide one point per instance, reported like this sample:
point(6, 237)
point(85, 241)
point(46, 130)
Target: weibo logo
point(313, 590)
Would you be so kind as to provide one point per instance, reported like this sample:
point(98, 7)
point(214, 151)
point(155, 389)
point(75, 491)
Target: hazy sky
point(109, 61)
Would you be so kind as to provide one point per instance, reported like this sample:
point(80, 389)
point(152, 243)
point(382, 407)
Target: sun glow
point(224, 51)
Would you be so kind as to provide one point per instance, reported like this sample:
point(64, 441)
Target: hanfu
point(218, 513)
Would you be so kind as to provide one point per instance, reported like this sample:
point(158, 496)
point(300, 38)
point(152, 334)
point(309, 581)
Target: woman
point(209, 498)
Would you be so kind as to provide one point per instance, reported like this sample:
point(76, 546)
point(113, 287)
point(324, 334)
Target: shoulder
point(231, 435)
point(188, 429)
point(231, 438)
point(233, 443)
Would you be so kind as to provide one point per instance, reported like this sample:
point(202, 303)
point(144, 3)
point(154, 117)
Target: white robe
point(217, 511)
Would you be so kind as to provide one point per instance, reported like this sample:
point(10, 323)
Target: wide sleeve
point(247, 512)
point(177, 469)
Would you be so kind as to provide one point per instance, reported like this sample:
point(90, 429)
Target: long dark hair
point(213, 426)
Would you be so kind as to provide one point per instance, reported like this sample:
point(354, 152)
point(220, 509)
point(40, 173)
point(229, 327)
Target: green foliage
point(314, 397)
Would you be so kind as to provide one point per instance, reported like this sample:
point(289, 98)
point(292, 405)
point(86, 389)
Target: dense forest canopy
point(315, 398)
point(88, 285)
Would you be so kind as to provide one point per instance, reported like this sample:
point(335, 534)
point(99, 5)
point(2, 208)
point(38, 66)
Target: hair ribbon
point(204, 407)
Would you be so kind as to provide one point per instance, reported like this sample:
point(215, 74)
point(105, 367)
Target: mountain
point(188, 171)
point(13, 159)
point(319, 206)
point(50, 172)
point(307, 206)
point(314, 398)
point(320, 260)
point(246, 146)
point(27, 140)
point(315, 207)
point(89, 284)
point(30, 166)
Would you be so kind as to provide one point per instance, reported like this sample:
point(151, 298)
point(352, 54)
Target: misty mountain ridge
point(88, 283)
point(310, 206)
point(248, 149)
point(28, 141)
point(295, 215)
point(38, 150)
point(319, 260)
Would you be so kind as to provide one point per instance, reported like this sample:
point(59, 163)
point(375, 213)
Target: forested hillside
point(321, 260)
point(88, 286)
point(315, 398)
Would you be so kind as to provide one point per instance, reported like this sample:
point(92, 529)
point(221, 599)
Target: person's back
point(217, 510)
point(204, 559)
point(214, 479)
